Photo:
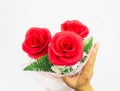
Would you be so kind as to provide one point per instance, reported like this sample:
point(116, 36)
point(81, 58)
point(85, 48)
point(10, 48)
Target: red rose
point(75, 26)
point(66, 48)
point(36, 42)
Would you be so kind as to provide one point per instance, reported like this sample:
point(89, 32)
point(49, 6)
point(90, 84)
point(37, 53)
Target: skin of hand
point(81, 82)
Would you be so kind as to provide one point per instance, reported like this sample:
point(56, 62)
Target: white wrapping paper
point(48, 81)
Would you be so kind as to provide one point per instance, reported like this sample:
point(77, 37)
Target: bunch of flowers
point(63, 54)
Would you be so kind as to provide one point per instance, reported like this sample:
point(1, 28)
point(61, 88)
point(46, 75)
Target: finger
point(93, 55)
point(67, 79)
point(70, 79)
point(89, 65)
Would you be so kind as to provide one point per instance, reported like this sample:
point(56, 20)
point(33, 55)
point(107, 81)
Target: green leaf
point(88, 44)
point(41, 64)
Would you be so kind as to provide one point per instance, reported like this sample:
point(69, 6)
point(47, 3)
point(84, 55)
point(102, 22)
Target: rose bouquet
point(63, 54)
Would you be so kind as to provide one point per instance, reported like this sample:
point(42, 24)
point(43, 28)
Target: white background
point(16, 16)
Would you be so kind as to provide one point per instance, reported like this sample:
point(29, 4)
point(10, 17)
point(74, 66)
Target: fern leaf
point(42, 64)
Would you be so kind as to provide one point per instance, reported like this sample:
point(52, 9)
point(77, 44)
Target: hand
point(81, 82)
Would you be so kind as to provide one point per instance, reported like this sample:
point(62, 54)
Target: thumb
point(68, 80)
